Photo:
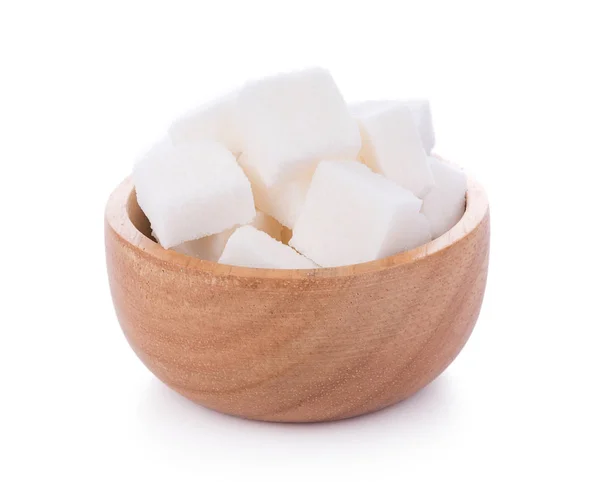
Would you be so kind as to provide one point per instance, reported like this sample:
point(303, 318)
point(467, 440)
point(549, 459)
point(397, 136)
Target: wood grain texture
point(296, 345)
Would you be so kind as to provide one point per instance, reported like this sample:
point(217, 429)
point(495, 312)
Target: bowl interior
point(137, 216)
point(126, 218)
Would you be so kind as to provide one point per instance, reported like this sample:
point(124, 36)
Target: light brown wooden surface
point(296, 345)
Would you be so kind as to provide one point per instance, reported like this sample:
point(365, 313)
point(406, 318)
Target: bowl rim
point(117, 219)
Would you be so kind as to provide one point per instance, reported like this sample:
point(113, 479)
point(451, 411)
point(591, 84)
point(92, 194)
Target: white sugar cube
point(192, 190)
point(289, 122)
point(213, 121)
point(265, 223)
point(421, 112)
point(283, 200)
point(416, 231)
point(445, 203)
point(419, 109)
point(392, 146)
point(250, 247)
point(352, 215)
point(209, 247)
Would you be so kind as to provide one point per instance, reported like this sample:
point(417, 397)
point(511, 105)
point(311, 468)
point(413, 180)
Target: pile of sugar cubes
point(284, 174)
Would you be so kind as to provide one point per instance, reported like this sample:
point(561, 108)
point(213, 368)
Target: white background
point(514, 87)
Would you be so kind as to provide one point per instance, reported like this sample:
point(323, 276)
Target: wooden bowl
point(296, 345)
